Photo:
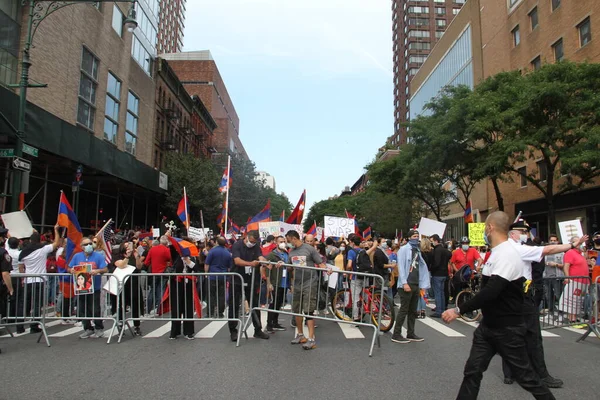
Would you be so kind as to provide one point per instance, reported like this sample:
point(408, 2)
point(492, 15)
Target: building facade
point(416, 26)
point(200, 76)
point(488, 37)
point(267, 178)
point(171, 20)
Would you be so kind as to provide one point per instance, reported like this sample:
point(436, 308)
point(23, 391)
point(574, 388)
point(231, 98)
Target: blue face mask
point(486, 239)
point(88, 249)
point(414, 242)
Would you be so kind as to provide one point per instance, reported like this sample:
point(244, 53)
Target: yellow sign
point(476, 234)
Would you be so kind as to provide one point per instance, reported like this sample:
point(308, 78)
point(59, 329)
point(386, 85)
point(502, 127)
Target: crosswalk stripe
point(210, 330)
point(159, 332)
point(549, 334)
point(351, 332)
point(443, 329)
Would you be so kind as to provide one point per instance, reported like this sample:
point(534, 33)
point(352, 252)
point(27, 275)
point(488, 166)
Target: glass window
point(114, 86)
point(516, 34)
point(86, 107)
point(523, 173)
point(89, 63)
point(139, 54)
point(533, 18)
point(555, 4)
point(455, 11)
point(131, 125)
point(585, 32)
point(419, 46)
point(418, 34)
point(440, 10)
point(542, 171)
point(85, 114)
point(417, 59)
point(111, 112)
point(117, 20)
point(418, 10)
point(460, 1)
point(439, 34)
point(536, 63)
point(418, 21)
point(440, 22)
point(558, 50)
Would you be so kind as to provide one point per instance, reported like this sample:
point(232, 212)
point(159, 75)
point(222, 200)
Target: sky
point(311, 81)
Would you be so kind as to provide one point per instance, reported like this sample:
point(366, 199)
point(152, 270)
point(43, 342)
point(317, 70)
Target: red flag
point(298, 213)
point(468, 213)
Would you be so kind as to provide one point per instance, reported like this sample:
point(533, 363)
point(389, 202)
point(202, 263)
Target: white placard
point(320, 234)
point(338, 227)
point(120, 275)
point(569, 229)
point(429, 227)
point(269, 228)
point(197, 234)
point(18, 224)
point(285, 228)
point(156, 233)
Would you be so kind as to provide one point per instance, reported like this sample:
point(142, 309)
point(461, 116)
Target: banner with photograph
point(82, 277)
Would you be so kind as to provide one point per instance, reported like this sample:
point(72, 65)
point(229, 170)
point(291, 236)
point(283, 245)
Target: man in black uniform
point(6, 288)
point(246, 256)
point(502, 330)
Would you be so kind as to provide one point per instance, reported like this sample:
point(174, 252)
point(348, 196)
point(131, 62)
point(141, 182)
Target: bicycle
point(341, 304)
point(467, 294)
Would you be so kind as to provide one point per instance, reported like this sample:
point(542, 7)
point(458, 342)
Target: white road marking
point(210, 330)
point(159, 332)
point(351, 332)
point(443, 329)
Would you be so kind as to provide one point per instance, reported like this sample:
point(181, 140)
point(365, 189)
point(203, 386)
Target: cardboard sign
point(82, 277)
point(18, 224)
point(338, 227)
point(429, 227)
point(120, 275)
point(569, 229)
point(476, 231)
point(197, 234)
point(156, 233)
point(277, 228)
point(285, 228)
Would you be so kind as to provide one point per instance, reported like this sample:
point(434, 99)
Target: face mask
point(523, 238)
point(290, 246)
point(413, 242)
point(486, 238)
point(449, 247)
point(250, 245)
point(465, 247)
point(282, 246)
point(88, 249)
point(597, 241)
point(342, 248)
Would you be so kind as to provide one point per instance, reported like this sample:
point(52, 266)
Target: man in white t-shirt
point(32, 260)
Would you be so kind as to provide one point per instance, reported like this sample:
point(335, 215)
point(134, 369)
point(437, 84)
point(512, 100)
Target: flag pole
point(104, 227)
point(202, 226)
point(187, 216)
point(227, 195)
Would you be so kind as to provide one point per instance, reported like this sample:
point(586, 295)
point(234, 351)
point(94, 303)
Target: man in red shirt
point(158, 259)
point(465, 255)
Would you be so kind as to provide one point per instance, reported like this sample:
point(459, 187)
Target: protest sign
point(119, 276)
point(82, 276)
point(197, 234)
point(155, 233)
point(476, 234)
point(285, 228)
point(429, 227)
point(269, 228)
point(18, 224)
point(569, 229)
point(338, 227)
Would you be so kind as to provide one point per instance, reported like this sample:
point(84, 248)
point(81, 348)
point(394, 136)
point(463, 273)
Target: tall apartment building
point(171, 24)
point(417, 25)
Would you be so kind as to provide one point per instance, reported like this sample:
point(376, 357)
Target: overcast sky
point(311, 81)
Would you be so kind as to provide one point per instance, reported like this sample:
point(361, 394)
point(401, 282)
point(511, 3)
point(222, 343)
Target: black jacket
point(440, 258)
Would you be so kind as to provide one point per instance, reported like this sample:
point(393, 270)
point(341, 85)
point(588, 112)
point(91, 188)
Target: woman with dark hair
point(128, 256)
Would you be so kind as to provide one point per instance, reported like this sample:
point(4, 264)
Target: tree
point(201, 181)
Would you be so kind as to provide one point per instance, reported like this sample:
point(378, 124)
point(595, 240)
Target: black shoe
point(172, 337)
point(34, 329)
point(552, 382)
point(261, 335)
point(270, 329)
point(278, 327)
point(190, 337)
point(414, 338)
point(508, 381)
point(137, 331)
point(399, 339)
point(20, 330)
point(234, 336)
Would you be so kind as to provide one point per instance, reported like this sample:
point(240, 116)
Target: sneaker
point(399, 339)
point(78, 323)
point(190, 337)
point(270, 329)
point(299, 339)
point(508, 381)
point(98, 333)
point(137, 331)
point(234, 336)
point(309, 344)
point(261, 335)
point(86, 334)
point(414, 338)
point(172, 337)
point(552, 382)
point(278, 327)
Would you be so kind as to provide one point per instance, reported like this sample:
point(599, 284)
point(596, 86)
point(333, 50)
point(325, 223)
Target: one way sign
point(21, 164)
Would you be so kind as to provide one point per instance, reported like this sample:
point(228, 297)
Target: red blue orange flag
point(313, 229)
point(367, 233)
point(182, 209)
point(263, 216)
point(298, 213)
point(225, 180)
point(68, 219)
point(468, 213)
point(282, 218)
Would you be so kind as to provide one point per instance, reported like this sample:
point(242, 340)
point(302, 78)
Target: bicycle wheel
point(387, 312)
point(341, 305)
point(462, 298)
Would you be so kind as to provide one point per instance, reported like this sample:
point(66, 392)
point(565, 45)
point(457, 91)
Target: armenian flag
point(225, 180)
point(367, 233)
point(298, 213)
point(233, 228)
point(68, 219)
point(221, 217)
point(263, 216)
point(313, 229)
point(182, 209)
point(468, 213)
point(183, 247)
point(282, 218)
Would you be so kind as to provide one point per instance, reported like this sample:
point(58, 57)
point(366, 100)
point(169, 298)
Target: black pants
point(66, 307)
point(89, 306)
point(181, 301)
point(216, 297)
point(509, 342)
point(408, 310)
point(278, 297)
point(34, 298)
point(535, 347)
point(235, 301)
point(16, 306)
point(133, 299)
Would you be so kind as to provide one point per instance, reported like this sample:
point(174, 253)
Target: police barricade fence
point(313, 293)
point(566, 301)
point(180, 298)
point(593, 324)
point(45, 300)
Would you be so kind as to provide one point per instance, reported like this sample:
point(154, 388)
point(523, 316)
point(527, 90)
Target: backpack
point(363, 262)
point(464, 274)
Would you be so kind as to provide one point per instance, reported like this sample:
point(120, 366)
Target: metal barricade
point(564, 302)
point(180, 298)
point(593, 325)
point(85, 305)
point(350, 297)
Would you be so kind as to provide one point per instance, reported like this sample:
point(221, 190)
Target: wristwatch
point(457, 310)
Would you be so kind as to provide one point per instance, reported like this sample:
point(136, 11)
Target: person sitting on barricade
point(88, 304)
point(305, 287)
point(32, 260)
point(277, 278)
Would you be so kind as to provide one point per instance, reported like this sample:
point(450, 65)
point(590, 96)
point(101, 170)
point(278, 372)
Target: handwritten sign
point(569, 229)
point(430, 227)
point(338, 227)
point(197, 234)
point(269, 228)
point(476, 234)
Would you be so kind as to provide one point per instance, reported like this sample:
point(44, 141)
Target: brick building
point(416, 26)
point(488, 37)
point(200, 76)
point(171, 23)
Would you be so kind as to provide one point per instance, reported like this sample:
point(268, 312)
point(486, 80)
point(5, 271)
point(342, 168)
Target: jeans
point(52, 288)
point(439, 282)
point(408, 310)
point(356, 287)
point(155, 291)
point(509, 342)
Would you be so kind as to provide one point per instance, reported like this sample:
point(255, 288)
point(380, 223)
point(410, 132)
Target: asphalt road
point(154, 367)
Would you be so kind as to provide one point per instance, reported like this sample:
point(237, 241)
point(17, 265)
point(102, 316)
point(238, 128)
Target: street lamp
point(38, 11)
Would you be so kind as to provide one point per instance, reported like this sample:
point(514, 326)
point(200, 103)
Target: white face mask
point(250, 245)
point(342, 248)
point(523, 238)
point(465, 247)
point(282, 246)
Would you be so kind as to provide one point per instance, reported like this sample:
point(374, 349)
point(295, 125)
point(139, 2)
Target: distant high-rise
point(417, 25)
point(171, 22)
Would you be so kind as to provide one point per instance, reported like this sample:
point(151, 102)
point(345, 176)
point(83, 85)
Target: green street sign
point(32, 151)
point(7, 153)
